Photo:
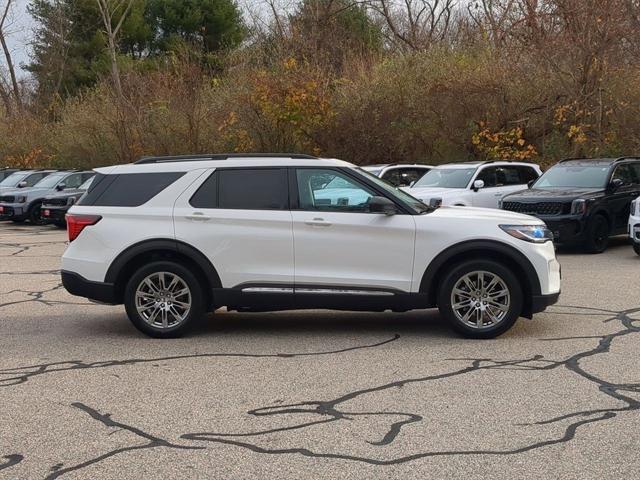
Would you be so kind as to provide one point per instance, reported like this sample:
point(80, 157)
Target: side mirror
point(23, 185)
point(477, 185)
point(615, 184)
point(382, 205)
point(412, 183)
point(60, 187)
point(530, 183)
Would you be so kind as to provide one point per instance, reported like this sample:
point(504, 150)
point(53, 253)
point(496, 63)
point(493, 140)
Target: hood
point(553, 194)
point(489, 214)
point(432, 192)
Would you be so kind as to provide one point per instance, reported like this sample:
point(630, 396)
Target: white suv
point(634, 225)
point(175, 237)
point(473, 184)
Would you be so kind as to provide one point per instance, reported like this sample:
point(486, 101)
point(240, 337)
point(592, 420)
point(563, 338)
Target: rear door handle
point(318, 222)
point(198, 217)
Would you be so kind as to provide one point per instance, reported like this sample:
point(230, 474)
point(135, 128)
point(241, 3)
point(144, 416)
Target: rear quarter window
point(128, 189)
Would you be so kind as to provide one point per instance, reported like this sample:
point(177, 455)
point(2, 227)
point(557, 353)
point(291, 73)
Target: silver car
point(24, 203)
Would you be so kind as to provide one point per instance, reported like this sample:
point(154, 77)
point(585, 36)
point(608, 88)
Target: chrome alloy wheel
point(480, 299)
point(163, 300)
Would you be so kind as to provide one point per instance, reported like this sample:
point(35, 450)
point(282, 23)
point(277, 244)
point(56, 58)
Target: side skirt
point(266, 298)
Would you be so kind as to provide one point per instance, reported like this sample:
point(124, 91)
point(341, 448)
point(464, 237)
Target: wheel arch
point(162, 249)
point(482, 249)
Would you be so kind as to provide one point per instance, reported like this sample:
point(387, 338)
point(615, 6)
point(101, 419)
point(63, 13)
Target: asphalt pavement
point(316, 394)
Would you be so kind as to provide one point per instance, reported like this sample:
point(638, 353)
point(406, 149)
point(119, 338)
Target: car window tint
point(127, 190)
point(33, 179)
point(73, 181)
point(331, 190)
point(635, 168)
point(207, 195)
point(507, 176)
point(410, 175)
point(488, 176)
point(393, 177)
point(624, 173)
point(253, 189)
point(527, 174)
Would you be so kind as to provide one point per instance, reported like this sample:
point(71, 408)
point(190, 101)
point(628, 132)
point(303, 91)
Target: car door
point(620, 199)
point(489, 195)
point(338, 243)
point(239, 218)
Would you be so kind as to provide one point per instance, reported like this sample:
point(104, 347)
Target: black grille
point(543, 208)
point(54, 202)
point(8, 199)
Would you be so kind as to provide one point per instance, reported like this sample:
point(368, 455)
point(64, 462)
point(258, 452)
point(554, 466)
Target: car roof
point(595, 161)
point(399, 165)
point(496, 163)
point(203, 162)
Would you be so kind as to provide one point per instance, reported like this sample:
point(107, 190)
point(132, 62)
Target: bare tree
point(15, 88)
point(109, 10)
point(416, 24)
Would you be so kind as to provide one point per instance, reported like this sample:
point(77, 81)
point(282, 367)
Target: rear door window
point(253, 189)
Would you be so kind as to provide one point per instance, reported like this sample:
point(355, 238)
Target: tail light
point(77, 223)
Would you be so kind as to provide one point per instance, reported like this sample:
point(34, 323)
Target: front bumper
point(567, 229)
point(79, 286)
point(539, 303)
point(53, 214)
point(9, 211)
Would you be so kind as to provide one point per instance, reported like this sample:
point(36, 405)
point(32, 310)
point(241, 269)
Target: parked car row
point(23, 193)
point(582, 201)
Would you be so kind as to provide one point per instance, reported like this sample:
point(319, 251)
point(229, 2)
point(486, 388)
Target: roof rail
point(630, 157)
point(220, 156)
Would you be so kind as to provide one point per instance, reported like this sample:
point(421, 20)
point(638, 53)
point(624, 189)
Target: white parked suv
point(634, 225)
point(473, 184)
point(399, 174)
point(175, 237)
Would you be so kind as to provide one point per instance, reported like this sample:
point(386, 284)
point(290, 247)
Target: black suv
point(583, 201)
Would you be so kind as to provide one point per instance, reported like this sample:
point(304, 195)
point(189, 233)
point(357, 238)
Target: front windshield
point(50, 181)
point(446, 178)
point(13, 179)
point(574, 176)
point(396, 192)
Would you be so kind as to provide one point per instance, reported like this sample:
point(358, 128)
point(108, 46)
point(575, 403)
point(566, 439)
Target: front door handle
point(198, 217)
point(318, 222)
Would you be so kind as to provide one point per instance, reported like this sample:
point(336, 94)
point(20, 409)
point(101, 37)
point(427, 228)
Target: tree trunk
point(12, 71)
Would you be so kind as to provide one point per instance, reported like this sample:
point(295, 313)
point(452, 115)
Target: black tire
point(34, 214)
point(18, 220)
point(597, 235)
point(508, 278)
point(636, 248)
point(62, 225)
point(195, 313)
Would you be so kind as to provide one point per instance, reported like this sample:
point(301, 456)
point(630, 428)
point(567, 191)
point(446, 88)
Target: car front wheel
point(597, 235)
point(164, 299)
point(480, 298)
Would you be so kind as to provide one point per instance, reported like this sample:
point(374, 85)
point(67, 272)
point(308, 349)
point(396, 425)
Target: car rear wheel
point(636, 248)
point(164, 299)
point(597, 235)
point(480, 298)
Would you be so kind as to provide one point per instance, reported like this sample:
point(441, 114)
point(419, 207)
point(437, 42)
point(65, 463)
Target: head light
point(21, 199)
point(529, 233)
point(578, 207)
point(435, 202)
point(71, 200)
